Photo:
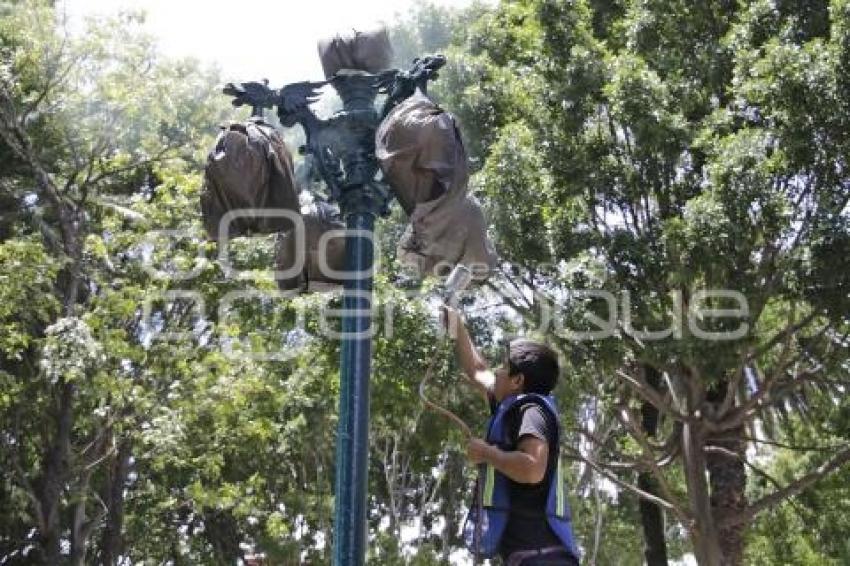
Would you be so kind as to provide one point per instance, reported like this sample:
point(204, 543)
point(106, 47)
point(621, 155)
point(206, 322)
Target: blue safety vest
point(496, 486)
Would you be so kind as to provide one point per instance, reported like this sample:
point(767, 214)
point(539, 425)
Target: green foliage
point(514, 172)
point(667, 147)
point(810, 528)
point(649, 147)
point(26, 300)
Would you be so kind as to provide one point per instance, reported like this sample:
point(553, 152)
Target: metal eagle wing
point(297, 96)
point(254, 94)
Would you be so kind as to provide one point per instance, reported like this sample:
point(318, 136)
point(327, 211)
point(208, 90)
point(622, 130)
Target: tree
point(663, 150)
point(84, 121)
point(808, 528)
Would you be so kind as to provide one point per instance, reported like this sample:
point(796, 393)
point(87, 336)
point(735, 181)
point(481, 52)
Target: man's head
point(527, 367)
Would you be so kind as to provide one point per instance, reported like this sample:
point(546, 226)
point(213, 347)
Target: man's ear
point(518, 379)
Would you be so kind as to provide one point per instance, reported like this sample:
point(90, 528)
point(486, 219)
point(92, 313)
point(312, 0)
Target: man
point(526, 516)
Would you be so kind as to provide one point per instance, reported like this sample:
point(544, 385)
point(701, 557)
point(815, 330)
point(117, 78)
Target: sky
point(273, 39)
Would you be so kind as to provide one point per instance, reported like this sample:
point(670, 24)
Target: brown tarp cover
point(422, 156)
point(249, 168)
point(311, 277)
point(419, 148)
point(368, 51)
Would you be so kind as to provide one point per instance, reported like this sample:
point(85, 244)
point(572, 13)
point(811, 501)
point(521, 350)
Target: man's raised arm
point(473, 364)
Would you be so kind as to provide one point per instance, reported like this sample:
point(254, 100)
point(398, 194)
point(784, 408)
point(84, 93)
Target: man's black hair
point(537, 362)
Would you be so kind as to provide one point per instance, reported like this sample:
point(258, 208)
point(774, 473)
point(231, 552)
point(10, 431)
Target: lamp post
point(360, 200)
point(342, 148)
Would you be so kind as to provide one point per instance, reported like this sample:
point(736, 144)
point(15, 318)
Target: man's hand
point(478, 451)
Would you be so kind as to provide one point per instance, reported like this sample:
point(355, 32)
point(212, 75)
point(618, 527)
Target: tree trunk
point(703, 532)
point(80, 528)
point(53, 477)
point(728, 481)
point(222, 532)
point(651, 514)
point(652, 521)
point(112, 540)
point(449, 504)
point(597, 526)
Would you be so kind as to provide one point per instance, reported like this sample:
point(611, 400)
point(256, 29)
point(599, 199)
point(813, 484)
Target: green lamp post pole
point(352, 448)
point(361, 200)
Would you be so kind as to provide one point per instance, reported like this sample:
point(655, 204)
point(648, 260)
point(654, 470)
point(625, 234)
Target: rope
point(434, 406)
point(479, 491)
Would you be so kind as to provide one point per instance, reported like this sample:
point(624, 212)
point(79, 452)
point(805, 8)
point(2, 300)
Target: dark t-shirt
point(527, 526)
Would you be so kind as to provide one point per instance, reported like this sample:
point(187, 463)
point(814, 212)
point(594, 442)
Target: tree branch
point(794, 447)
point(794, 488)
point(625, 485)
point(649, 394)
point(783, 334)
point(618, 466)
point(627, 419)
point(52, 80)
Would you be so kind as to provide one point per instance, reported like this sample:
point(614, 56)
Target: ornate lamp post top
point(342, 147)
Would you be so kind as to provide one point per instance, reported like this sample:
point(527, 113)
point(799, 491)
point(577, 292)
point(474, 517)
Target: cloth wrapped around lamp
point(249, 168)
point(368, 51)
point(312, 276)
point(422, 156)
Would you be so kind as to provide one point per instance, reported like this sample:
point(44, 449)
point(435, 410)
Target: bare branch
point(54, 80)
point(649, 394)
point(519, 291)
point(783, 334)
point(674, 387)
point(795, 487)
point(787, 446)
point(772, 384)
point(19, 142)
point(628, 420)
point(95, 463)
point(618, 466)
point(625, 485)
point(522, 310)
point(162, 156)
